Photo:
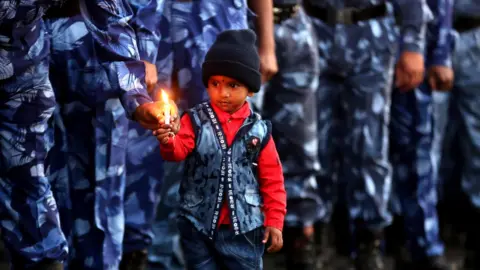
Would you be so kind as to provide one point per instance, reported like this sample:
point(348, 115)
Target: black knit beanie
point(234, 54)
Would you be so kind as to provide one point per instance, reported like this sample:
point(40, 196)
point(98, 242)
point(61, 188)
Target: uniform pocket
point(191, 199)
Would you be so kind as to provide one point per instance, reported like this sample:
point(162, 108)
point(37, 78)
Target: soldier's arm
point(414, 16)
point(441, 32)
point(264, 22)
point(266, 40)
point(109, 22)
point(146, 23)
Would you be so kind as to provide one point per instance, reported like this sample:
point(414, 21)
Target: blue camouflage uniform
point(464, 97)
point(290, 103)
point(30, 102)
point(143, 187)
point(92, 123)
point(191, 28)
point(411, 142)
point(353, 100)
point(143, 167)
point(96, 130)
point(464, 119)
point(29, 214)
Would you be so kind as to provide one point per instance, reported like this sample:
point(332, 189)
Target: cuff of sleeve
point(131, 84)
point(413, 47)
point(412, 42)
point(132, 100)
point(275, 222)
point(441, 61)
point(148, 50)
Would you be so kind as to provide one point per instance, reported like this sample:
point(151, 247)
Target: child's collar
point(242, 113)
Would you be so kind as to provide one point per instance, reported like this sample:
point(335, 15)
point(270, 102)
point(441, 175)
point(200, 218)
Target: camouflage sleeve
point(146, 23)
point(414, 15)
point(441, 32)
point(109, 22)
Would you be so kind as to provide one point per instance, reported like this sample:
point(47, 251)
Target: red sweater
point(270, 174)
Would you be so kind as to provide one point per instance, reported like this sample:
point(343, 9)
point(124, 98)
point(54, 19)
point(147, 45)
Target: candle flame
point(164, 97)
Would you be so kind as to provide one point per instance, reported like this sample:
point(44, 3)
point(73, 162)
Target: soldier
point(95, 126)
point(191, 29)
point(357, 44)
point(144, 172)
point(465, 118)
point(411, 146)
point(30, 222)
point(290, 103)
point(29, 215)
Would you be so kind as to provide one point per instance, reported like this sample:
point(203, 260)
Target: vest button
point(229, 120)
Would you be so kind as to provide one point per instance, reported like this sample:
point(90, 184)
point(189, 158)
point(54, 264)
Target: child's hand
point(166, 131)
point(175, 125)
point(276, 239)
point(163, 133)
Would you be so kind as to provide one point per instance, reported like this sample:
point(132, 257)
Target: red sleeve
point(272, 186)
point(178, 147)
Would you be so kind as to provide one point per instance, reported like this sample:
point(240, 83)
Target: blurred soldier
point(466, 110)
point(357, 43)
point(95, 125)
point(30, 222)
point(29, 215)
point(191, 29)
point(411, 145)
point(290, 103)
point(144, 169)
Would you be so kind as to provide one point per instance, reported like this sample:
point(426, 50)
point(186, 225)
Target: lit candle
point(166, 107)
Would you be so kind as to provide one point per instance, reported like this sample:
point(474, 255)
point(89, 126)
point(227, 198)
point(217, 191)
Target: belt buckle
point(345, 16)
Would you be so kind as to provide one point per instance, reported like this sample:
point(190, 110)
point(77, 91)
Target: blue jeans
point(226, 251)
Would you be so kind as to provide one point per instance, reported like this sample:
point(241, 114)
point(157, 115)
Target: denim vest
point(215, 172)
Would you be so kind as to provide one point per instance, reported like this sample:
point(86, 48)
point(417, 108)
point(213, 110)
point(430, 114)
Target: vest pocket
point(191, 199)
point(252, 197)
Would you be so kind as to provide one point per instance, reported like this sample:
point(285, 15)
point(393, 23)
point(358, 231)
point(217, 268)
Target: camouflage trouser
point(96, 134)
point(29, 214)
point(441, 102)
point(58, 174)
point(465, 111)
point(353, 101)
point(189, 30)
point(142, 193)
point(290, 103)
point(414, 185)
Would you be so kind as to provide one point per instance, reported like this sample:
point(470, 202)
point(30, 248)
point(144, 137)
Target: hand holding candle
point(171, 123)
point(167, 111)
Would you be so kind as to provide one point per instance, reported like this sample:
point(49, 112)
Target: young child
point(233, 198)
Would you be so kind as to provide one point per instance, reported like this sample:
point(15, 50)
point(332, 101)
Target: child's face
point(226, 93)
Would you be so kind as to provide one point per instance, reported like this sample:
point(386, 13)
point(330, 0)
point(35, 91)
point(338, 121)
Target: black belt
point(69, 9)
point(345, 16)
point(464, 23)
point(284, 12)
